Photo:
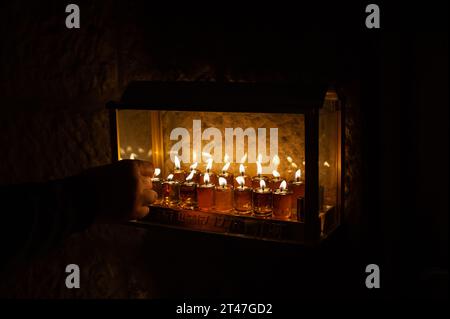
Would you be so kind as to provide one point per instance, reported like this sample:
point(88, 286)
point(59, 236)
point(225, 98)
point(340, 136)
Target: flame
point(226, 158)
point(140, 150)
point(258, 168)
point(298, 174)
point(294, 165)
point(226, 166)
point(289, 159)
point(177, 162)
point(193, 166)
point(157, 172)
point(276, 160)
point(241, 169)
point(222, 181)
point(133, 156)
point(129, 149)
point(209, 165)
point(262, 184)
point(243, 158)
point(206, 178)
point(170, 177)
point(206, 154)
point(240, 180)
point(275, 173)
point(259, 158)
point(303, 163)
point(326, 164)
point(283, 185)
point(191, 175)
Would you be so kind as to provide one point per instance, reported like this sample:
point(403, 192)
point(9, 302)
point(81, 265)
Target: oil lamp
point(242, 197)
point(262, 200)
point(188, 192)
point(298, 188)
point(275, 181)
point(179, 175)
point(257, 179)
point(196, 177)
point(282, 202)
point(157, 185)
point(170, 191)
point(247, 180)
point(223, 196)
point(205, 194)
point(228, 176)
point(212, 178)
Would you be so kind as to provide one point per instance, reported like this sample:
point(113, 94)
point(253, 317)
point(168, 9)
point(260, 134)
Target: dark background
point(55, 83)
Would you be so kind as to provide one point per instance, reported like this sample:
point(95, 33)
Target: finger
point(145, 168)
point(146, 182)
point(148, 197)
point(141, 212)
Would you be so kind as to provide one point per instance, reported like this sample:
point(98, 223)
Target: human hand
point(120, 191)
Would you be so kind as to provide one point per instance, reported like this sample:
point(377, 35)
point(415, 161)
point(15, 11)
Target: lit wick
point(225, 167)
point(157, 184)
point(276, 180)
point(283, 186)
point(282, 202)
point(206, 179)
point(241, 181)
point(177, 163)
point(298, 192)
point(178, 174)
point(258, 168)
point(156, 172)
point(193, 166)
point(222, 182)
point(258, 165)
point(262, 184)
point(298, 175)
point(191, 175)
point(242, 170)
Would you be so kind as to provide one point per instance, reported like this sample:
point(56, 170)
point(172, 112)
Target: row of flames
point(240, 179)
point(209, 164)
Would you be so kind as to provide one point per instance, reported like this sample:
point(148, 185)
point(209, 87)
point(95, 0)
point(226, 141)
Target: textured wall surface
point(290, 142)
point(54, 85)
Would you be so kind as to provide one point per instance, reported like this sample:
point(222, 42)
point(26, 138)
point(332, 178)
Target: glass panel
point(135, 139)
point(276, 140)
point(329, 163)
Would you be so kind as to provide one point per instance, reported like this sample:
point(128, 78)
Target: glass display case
point(253, 160)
